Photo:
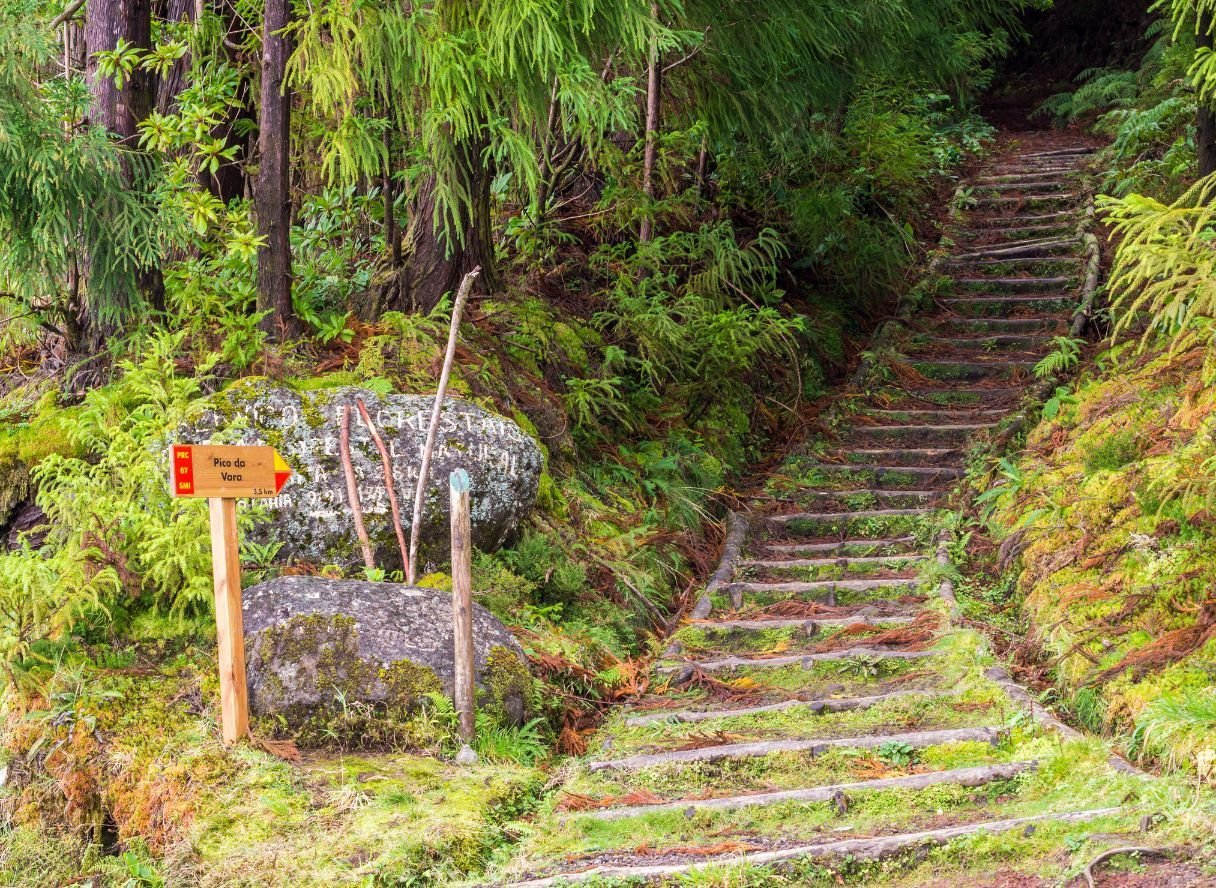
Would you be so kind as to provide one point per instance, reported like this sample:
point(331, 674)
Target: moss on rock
point(508, 687)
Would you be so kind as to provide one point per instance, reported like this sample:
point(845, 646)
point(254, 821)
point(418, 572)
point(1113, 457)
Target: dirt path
point(821, 720)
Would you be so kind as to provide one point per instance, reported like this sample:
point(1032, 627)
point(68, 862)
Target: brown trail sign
point(219, 471)
point(221, 474)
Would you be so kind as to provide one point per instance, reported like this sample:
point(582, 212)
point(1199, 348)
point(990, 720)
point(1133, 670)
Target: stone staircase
point(821, 712)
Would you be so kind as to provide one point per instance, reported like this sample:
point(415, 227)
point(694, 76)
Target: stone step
point(1049, 325)
point(1075, 151)
point(870, 848)
point(934, 416)
point(851, 497)
point(845, 561)
point(1042, 265)
point(919, 436)
point(818, 706)
point(814, 623)
point(1046, 284)
point(1041, 198)
point(970, 371)
point(806, 661)
point(1035, 247)
point(981, 305)
point(881, 474)
point(907, 457)
point(906, 543)
point(855, 515)
point(1002, 223)
point(802, 587)
point(915, 739)
point(995, 235)
point(1024, 177)
point(984, 343)
point(1032, 183)
point(969, 777)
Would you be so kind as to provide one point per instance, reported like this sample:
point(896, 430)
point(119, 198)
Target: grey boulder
point(313, 643)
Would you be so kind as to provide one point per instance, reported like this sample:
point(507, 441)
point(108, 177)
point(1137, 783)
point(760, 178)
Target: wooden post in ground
point(462, 603)
point(230, 632)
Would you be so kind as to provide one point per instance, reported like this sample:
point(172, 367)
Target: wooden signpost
point(222, 474)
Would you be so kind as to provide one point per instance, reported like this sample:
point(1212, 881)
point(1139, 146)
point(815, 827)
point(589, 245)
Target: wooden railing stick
point(424, 469)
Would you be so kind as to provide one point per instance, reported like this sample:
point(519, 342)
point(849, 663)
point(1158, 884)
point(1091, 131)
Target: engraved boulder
point(311, 519)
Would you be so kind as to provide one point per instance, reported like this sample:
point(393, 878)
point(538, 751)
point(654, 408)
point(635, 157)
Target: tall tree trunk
point(272, 193)
point(392, 234)
point(654, 88)
point(1205, 136)
point(118, 109)
point(444, 250)
point(106, 22)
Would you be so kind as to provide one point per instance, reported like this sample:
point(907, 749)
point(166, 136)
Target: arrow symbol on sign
point(282, 472)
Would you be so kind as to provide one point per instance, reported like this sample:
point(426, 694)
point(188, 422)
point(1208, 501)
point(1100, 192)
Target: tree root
point(1088, 873)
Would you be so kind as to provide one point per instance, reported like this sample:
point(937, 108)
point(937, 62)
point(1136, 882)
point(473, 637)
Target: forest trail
point(821, 709)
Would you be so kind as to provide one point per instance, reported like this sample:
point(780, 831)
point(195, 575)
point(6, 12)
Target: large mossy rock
point(311, 519)
point(311, 643)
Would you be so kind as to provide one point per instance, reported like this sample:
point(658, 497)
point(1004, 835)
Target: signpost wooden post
point(222, 474)
point(462, 604)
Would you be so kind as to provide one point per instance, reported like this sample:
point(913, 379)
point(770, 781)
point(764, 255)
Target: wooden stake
point(462, 602)
point(386, 462)
point(352, 490)
point(229, 626)
point(424, 470)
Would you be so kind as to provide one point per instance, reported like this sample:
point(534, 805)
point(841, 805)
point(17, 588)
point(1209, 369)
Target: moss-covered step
point(846, 499)
point(932, 415)
point(834, 591)
point(1024, 201)
point(903, 457)
point(1051, 176)
point(947, 434)
point(996, 368)
point(873, 848)
point(989, 264)
point(997, 233)
point(761, 748)
point(848, 476)
point(967, 777)
point(842, 548)
point(816, 705)
point(951, 396)
point(993, 343)
point(1028, 247)
point(877, 523)
point(1005, 304)
point(888, 716)
point(809, 627)
point(846, 563)
point(979, 326)
point(1034, 284)
point(775, 572)
point(727, 664)
point(1031, 182)
point(698, 642)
